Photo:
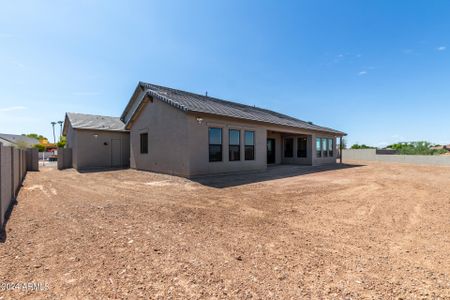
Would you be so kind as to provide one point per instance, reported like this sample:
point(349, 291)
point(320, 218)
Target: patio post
point(340, 149)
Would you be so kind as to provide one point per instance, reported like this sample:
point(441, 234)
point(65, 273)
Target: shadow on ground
point(7, 216)
point(272, 172)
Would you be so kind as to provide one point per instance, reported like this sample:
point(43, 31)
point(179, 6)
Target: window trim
point(252, 146)
point(221, 144)
point(143, 147)
point(234, 145)
point(319, 150)
point(325, 151)
point(330, 148)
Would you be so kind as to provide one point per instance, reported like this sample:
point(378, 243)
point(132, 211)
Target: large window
point(215, 144)
point(324, 147)
point(330, 147)
point(301, 147)
point(234, 148)
point(144, 143)
point(249, 142)
point(288, 147)
point(319, 147)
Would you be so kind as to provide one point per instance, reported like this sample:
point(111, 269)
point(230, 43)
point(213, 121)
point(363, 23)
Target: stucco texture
point(178, 142)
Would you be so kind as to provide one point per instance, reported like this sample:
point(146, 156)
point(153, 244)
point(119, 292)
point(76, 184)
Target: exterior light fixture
point(95, 136)
point(199, 121)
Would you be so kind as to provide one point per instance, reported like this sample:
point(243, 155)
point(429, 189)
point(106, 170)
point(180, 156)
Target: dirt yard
point(372, 231)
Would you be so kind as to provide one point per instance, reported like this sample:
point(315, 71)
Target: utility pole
point(60, 129)
point(54, 137)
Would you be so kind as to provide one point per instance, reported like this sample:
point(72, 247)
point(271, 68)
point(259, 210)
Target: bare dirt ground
point(374, 231)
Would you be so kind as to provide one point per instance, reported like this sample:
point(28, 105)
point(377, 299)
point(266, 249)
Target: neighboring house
point(442, 147)
point(186, 134)
point(19, 141)
point(97, 141)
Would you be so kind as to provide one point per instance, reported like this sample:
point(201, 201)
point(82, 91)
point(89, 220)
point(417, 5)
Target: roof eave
point(334, 132)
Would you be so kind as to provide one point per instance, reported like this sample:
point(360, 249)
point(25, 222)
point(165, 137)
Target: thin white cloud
point(12, 108)
point(86, 93)
point(362, 73)
point(441, 48)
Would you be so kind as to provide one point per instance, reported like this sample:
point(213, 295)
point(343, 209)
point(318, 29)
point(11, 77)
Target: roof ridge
point(94, 115)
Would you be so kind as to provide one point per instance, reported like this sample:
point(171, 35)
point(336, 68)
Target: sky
point(377, 69)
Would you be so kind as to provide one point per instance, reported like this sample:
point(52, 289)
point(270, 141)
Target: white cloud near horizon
point(12, 108)
point(362, 73)
point(441, 48)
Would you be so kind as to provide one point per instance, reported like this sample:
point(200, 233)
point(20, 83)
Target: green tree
point(362, 146)
point(35, 136)
point(40, 147)
point(416, 148)
point(62, 142)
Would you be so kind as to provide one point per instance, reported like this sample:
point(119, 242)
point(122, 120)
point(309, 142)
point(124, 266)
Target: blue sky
point(378, 70)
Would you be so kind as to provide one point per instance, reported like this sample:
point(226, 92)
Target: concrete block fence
point(14, 164)
point(371, 155)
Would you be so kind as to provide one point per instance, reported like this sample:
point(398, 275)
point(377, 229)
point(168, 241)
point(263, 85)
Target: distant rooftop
point(95, 122)
point(14, 139)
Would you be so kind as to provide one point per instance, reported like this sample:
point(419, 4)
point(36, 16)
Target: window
point(234, 148)
point(330, 147)
point(288, 147)
point(215, 144)
point(144, 143)
point(319, 147)
point(324, 147)
point(249, 143)
point(301, 147)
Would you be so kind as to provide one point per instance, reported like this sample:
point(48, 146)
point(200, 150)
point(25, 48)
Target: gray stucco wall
point(168, 150)
point(178, 142)
point(92, 149)
point(199, 142)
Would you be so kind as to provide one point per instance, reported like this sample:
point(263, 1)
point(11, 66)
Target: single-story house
point(186, 134)
point(19, 141)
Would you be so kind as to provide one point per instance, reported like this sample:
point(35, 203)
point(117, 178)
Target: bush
point(362, 146)
point(416, 148)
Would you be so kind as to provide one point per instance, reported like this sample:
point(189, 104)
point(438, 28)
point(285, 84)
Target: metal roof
point(95, 122)
point(14, 139)
point(191, 102)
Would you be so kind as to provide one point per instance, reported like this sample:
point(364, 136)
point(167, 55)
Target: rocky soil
point(371, 231)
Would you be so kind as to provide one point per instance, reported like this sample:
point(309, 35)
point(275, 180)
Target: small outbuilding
point(96, 142)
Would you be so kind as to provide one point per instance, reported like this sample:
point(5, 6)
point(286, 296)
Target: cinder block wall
point(14, 164)
point(371, 155)
point(64, 158)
